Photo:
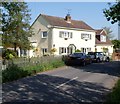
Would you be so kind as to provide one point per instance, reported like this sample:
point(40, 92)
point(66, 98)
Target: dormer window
point(103, 38)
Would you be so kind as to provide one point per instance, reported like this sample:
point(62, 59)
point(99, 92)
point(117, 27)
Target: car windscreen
point(77, 54)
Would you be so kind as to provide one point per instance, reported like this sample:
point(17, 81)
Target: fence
point(24, 62)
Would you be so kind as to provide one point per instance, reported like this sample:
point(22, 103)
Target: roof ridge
point(60, 21)
point(51, 16)
point(61, 17)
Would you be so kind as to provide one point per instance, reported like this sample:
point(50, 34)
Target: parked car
point(78, 58)
point(99, 56)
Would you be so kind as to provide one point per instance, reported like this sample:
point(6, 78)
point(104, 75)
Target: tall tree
point(16, 25)
point(109, 32)
point(113, 13)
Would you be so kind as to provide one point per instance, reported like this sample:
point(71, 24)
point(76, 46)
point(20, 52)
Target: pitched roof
point(108, 42)
point(101, 32)
point(58, 21)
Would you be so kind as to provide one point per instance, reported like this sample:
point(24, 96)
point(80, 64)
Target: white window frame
point(65, 34)
point(43, 33)
point(86, 36)
point(103, 38)
point(43, 50)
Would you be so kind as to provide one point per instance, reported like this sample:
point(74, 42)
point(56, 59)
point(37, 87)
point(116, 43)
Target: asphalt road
point(67, 84)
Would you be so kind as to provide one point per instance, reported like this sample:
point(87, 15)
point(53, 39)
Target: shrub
point(13, 73)
point(77, 50)
point(114, 96)
point(9, 54)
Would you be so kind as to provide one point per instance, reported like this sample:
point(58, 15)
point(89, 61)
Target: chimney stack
point(68, 18)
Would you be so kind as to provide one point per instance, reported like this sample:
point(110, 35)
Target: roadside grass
point(14, 72)
point(114, 96)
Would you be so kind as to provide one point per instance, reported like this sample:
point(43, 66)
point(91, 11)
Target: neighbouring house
point(63, 34)
point(102, 43)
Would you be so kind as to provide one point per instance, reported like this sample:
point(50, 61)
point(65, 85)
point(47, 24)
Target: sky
point(89, 12)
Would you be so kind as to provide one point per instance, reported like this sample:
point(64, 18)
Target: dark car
point(99, 56)
point(78, 58)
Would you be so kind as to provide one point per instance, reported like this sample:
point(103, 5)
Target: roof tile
point(58, 21)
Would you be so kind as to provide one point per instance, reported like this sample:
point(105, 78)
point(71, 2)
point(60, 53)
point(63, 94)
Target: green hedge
point(114, 96)
point(14, 72)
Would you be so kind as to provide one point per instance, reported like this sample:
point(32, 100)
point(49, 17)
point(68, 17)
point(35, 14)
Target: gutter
point(73, 28)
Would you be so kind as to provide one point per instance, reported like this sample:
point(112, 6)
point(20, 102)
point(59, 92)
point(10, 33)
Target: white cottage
point(63, 34)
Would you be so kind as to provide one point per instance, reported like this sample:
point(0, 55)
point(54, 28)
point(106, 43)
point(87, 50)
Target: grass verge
point(114, 96)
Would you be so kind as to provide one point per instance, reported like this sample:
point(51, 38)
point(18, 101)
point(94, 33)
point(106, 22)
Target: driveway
point(68, 84)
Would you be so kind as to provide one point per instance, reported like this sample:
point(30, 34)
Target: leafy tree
point(109, 32)
point(16, 25)
point(116, 44)
point(113, 13)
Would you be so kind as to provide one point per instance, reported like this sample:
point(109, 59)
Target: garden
point(17, 68)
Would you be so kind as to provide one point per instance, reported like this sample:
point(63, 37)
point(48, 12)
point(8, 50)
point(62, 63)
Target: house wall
point(100, 48)
point(40, 25)
point(76, 39)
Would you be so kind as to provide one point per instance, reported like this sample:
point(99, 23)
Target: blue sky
point(89, 12)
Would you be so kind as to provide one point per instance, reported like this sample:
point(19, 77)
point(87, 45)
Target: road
point(69, 84)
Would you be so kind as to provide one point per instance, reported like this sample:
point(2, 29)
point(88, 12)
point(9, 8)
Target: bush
point(77, 50)
point(9, 54)
point(114, 96)
point(13, 73)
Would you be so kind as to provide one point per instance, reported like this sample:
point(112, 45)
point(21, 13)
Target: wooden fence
point(24, 62)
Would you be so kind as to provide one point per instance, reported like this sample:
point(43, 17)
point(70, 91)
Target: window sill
point(44, 37)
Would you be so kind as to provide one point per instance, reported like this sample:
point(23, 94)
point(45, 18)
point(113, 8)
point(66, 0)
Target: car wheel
point(107, 60)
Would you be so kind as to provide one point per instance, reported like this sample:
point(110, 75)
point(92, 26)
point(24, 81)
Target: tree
point(116, 44)
point(16, 25)
point(109, 32)
point(113, 13)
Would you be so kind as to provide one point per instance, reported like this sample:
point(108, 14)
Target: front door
point(71, 48)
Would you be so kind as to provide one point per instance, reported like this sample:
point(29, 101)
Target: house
point(65, 35)
point(102, 43)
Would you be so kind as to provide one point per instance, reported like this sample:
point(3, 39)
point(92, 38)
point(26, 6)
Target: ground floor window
point(44, 50)
point(86, 50)
point(66, 50)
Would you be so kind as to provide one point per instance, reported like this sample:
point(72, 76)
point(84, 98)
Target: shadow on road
point(110, 68)
point(42, 88)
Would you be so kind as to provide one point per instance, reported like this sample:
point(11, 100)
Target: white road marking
point(66, 82)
